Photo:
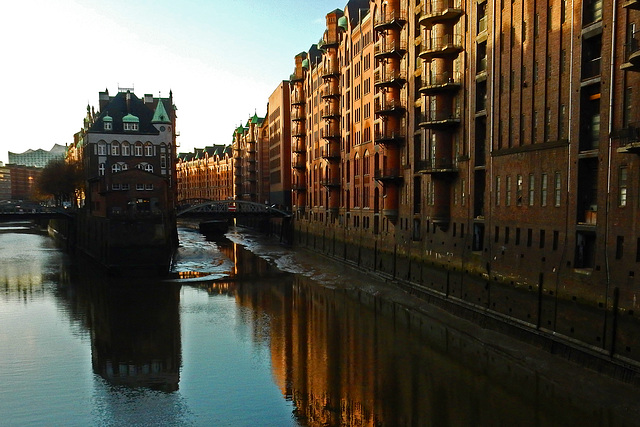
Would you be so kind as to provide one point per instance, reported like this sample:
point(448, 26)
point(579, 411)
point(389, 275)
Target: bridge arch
point(227, 208)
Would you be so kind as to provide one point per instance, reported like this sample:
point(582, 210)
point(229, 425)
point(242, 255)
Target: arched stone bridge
point(202, 208)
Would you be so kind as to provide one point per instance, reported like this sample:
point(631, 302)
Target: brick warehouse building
point(485, 151)
point(431, 139)
point(207, 173)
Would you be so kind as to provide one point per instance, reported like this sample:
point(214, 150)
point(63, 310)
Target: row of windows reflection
point(127, 149)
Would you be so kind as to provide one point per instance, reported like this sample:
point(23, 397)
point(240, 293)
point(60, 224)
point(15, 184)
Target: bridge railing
point(231, 208)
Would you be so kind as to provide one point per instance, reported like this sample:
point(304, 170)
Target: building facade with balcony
point(500, 140)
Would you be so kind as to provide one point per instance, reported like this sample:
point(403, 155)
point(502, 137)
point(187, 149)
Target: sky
point(220, 58)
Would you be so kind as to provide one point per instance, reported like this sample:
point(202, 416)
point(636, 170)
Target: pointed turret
point(160, 116)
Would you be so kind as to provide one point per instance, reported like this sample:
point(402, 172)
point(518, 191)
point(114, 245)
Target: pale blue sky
point(222, 59)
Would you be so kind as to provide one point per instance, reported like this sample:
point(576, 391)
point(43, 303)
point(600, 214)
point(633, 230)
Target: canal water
point(247, 332)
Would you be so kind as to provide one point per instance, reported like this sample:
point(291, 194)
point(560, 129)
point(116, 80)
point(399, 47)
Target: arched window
point(356, 165)
point(126, 149)
point(115, 148)
point(101, 169)
point(115, 168)
point(148, 149)
point(102, 148)
point(138, 148)
point(145, 167)
point(365, 164)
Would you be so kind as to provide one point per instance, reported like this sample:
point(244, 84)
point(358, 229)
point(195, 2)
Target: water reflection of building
point(345, 357)
point(136, 336)
point(134, 327)
point(25, 279)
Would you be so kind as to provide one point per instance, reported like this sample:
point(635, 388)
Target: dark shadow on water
point(134, 326)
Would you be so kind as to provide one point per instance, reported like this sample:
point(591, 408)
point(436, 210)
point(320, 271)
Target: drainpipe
point(608, 202)
point(567, 210)
point(488, 213)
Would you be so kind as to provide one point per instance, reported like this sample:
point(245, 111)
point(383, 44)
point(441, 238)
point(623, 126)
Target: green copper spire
point(160, 115)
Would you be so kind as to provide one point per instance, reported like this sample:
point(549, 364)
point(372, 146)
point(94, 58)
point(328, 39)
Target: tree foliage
point(60, 180)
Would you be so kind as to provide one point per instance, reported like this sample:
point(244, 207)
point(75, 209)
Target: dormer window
point(107, 121)
point(130, 123)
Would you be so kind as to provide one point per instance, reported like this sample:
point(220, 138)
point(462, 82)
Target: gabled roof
point(257, 120)
point(125, 106)
point(315, 55)
point(185, 157)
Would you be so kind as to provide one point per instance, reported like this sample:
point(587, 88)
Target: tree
point(60, 180)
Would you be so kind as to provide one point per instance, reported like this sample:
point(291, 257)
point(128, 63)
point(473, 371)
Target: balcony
point(442, 82)
point(388, 175)
point(447, 46)
point(632, 54)
point(440, 11)
point(298, 130)
point(437, 166)
point(385, 48)
point(298, 114)
point(331, 71)
point(298, 98)
point(392, 18)
point(299, 163)
point(331, 112)
point(389, 136)
point(328, 41)
point(331, 91)
point(329, 133)
point(629, 138)
point(385, 107)
point(330, 152)
point(330, 182)
point(440, 119)
point(298, 146)
point(386, 77)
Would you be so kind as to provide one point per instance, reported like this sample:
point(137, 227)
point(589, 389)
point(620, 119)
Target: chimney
point(103, 98)
point(148, 98)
